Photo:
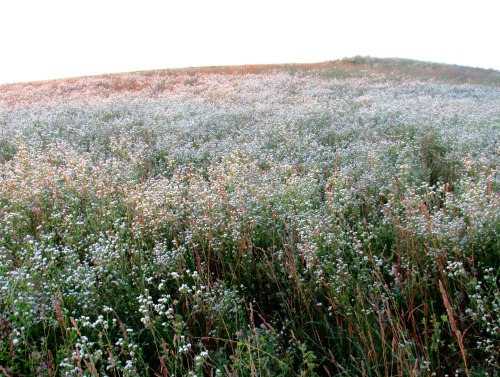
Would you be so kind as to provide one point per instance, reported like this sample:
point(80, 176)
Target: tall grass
point(275, 223)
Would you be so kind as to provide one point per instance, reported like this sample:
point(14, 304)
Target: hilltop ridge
point(346, 67)
point(167, 81)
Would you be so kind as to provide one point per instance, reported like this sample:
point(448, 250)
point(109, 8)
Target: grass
point(332, 219)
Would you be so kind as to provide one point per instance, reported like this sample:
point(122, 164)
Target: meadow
point(333, 219)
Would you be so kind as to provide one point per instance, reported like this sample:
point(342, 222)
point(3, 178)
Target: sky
point(46, 39)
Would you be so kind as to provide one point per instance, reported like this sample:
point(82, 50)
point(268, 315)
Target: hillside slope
point(331, 219)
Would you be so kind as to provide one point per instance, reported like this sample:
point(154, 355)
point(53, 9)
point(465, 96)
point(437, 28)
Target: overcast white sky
point(44, 39)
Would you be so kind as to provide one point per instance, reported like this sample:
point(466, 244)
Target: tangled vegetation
point(338, 219)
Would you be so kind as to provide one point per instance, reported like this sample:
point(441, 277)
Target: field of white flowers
point(338, 219)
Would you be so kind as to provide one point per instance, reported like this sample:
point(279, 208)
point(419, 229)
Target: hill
point(338, 218)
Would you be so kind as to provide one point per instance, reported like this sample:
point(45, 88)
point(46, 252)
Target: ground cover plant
point(336, 219)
